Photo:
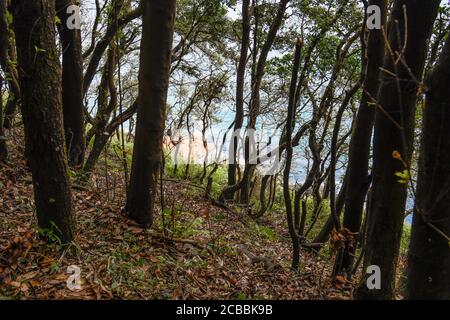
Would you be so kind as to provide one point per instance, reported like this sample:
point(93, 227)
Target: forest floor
point(206, 253)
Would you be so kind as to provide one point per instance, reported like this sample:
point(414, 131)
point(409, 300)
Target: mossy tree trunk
point(40, 82)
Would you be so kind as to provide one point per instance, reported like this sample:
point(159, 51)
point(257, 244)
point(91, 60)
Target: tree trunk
point(104, 110)
point(3, 147)
point(334, 156)
point(255, 96)
point(7, 53)
point(394, 126)
point(103, 43)
point(72, 85)
point(100, 141)
point(262, 195)
point(240, 81)
point(429, 256)
point(13, 82)
point(325, 232)
point(3, 65)
point(40, 82)
point(290, 122)
point(358, 165)
point(157, 36)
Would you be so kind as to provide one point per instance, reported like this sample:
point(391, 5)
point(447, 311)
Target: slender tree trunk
point(358, 165)
point(8, 53)
point(301, 228)
point(262, 195)
point(40, 82)
point(325, 232)
point(100, 141)
point(255, 96)
point(297, 209)
point(4, 41)
point(3, 147)
point(111, 30)
point(394, 126)
point(290, 122)
point(13, 82)
point(3, 65)
point(240, 81)
point(156, 45)
point(72, 85)
point(429, 256)
point(334, 156)
point(273, 191)
point(104, 109)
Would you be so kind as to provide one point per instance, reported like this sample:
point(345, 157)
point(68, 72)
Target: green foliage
point(404, 176)
point(206, 22)
point(266, 232)
point(220, 177)
point(241, 296)
point(9, 17)
point(51, 234)
point(406, 237)
point(39, 50)
point(114, 160)
point(130, 270)
point(181, 224)
point(54, 267)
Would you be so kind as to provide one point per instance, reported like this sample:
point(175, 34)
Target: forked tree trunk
point(244, 184)
point(106, 89)
point(40, 81)
point(429, 255)
point(255, 97)
point(72, 85)
point(156, 45)
point(394, 126)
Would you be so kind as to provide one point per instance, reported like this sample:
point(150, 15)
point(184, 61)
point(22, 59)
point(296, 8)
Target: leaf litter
point(198, 255)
